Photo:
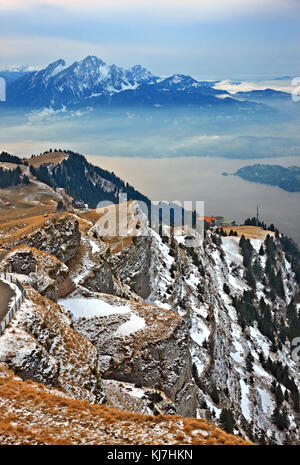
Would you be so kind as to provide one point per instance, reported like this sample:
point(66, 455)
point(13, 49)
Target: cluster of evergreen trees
point(280, 415)
point(6, 157)
point(254, 269)
point(292, 329)
point(281, 373)
point(10, 177)
point(49, 151)
point(276, 329)
point(194, 256)
point(280, 418)
point(274, 276)
point(247, 252)
point(253, 222)
point(246, 308)
point(216, 239)
point(223, 233)
point(79, 179)
point(293, 255)
point(227, 421)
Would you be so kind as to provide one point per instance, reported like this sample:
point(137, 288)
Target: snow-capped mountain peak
point(180, 82)
point(92, 82)
point(52, 70)
point(141, 74)
point(90, 77)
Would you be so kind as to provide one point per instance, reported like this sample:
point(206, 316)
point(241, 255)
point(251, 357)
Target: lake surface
point(192, 178)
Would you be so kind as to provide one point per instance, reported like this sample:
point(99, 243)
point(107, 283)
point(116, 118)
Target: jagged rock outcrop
point(136, 398)
point(44, 272)
point(41, 344)
point(132, 265)
point(60, 238)
point(231, 317)
point(138, 343)
point(101, 279)
point(91, 271)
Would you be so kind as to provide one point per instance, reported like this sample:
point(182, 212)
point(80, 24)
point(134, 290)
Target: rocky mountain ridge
point(210, 326)
point(91, 84)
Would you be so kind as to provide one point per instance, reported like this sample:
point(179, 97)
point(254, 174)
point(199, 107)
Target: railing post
point(10, 313)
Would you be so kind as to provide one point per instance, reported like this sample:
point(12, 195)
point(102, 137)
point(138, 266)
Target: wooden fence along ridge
point(11, 311)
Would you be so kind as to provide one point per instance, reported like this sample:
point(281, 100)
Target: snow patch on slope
point(131, 326)
point(89, 307)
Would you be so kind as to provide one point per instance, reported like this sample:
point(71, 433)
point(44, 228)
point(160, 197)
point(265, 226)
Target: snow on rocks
point(135, 323)
point(40, 344)
point(179, 309)
point(219, 344)
point(245, 404)
point(139, 343)
point(91, 307)
point(44, 272)
point(135, 398)
point(200, 332)
point(266, 401)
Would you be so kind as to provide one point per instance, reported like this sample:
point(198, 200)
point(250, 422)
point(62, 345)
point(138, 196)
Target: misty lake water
point(192, 178)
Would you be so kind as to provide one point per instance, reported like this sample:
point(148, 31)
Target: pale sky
point(209, 39)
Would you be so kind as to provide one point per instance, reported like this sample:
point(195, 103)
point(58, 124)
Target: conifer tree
point(250, 278)
point(227, 422)
point(257, 268)
point(249, 362)
point(280, 419)
point(278, 285)
point(215, 394)
point(278, 395)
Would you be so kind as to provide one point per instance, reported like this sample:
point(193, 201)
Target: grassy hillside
point(35, 414)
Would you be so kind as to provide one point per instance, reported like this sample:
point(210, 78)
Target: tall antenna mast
point(257, 216)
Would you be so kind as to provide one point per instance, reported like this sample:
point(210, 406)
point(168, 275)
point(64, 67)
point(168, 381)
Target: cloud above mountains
point(194, 9)
point(209, 39)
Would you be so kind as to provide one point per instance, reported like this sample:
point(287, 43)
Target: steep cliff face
point(40, 344)
point(246, 338)
point(91, 271)
point(242, 353)
point(140, 344)
point(239, 299)
point(131, 265)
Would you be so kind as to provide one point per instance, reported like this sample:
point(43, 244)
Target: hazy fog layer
point(156, 133)
point(175, 155)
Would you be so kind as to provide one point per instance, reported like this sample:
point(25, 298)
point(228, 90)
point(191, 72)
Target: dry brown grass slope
point(53, 157)
point(250, 232)
point(35, 414)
